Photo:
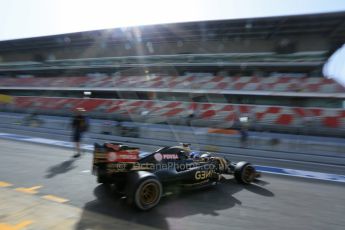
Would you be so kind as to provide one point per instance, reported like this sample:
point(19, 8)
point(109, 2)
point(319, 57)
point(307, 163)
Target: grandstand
point(267, 69)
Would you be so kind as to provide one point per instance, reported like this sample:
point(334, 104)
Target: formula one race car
point(144, 179)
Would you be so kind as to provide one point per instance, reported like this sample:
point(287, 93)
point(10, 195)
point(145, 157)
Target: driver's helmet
point(194, 155)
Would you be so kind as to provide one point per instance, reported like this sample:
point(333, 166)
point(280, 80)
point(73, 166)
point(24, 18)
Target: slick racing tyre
point(101, 176)
point(148, 194)
point(244, 173)
point(145, 191)
point(102, 179)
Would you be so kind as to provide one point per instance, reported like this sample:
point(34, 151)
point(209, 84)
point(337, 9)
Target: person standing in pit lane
point(79, 125)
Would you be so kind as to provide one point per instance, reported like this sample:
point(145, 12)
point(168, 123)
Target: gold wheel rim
point(149, 193)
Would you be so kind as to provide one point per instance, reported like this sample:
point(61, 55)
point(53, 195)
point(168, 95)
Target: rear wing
point(114, 152)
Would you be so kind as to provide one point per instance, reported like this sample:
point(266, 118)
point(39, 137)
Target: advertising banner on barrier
point(6, 98)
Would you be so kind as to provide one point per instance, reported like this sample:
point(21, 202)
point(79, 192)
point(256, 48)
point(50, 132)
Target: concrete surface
point(277, 202)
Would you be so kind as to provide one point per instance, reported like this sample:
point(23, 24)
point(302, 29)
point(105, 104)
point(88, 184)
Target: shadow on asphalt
point(63, 167)
point(110, 210)
point(259, 190)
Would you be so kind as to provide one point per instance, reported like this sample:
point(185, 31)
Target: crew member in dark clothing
point(79, 126)
point(244, 129)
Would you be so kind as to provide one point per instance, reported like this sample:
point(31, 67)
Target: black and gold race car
point(145, 179)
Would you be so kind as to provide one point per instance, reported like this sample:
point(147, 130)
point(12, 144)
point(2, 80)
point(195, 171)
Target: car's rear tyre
point(245, 173)
point(102, 179)
point(144, 191)
point(101, 176)
point(148, 194)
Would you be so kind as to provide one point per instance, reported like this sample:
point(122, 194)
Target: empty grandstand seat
point(283, 83)
point(162, 111)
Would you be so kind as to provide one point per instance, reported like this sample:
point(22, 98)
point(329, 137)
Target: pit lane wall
point(321, 150)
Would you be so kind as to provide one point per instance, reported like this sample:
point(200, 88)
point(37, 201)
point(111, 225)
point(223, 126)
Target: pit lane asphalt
point(277, 202)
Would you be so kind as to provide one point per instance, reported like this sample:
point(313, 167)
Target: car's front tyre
point(245, 173)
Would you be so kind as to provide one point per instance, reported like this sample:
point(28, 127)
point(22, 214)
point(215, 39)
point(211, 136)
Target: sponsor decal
point(111, 156)
point(129, 151)
point(123, 156)
point(160, 157)
point(202, 175)
point(170, 156)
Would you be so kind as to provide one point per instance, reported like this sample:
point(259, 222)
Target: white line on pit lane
point(301, 173)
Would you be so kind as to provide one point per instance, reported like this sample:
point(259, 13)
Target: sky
point(32, 18)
